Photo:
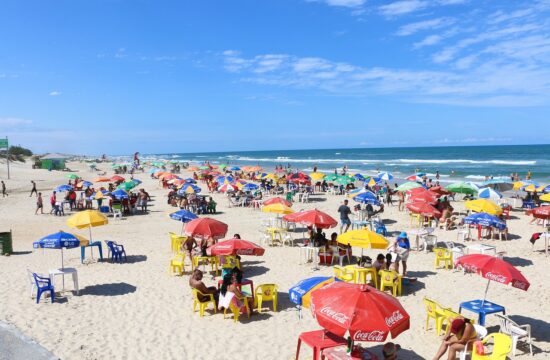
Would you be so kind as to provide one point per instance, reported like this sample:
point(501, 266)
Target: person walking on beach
point(33, 190)
point(4, 192)
point(344, 211)
point(53, 200)
point(39, 204)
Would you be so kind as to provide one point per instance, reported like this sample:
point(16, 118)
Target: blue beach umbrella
point(153, 170)
point(485, 219)
point(62, 188)
point(249, 187)
point(385, 176)
point(367, 197)
point(136, 181)
point(300, 294)
point(359, 177)
point(235, 168)
point(59, 240)
point(86, 184)
point(190, 181)
point(120, 194)
point(188, 188)
point(183, 216)
point(489, 193)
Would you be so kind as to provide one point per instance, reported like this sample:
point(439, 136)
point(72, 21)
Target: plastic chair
point(341, 274)
point(502, 345)
point(43, 284)
point(429, 240)
point(381, 229)
point(266, 292)
point(116, 251)
point(287, 239)
point(390, 279)
point(445, 256)
point(434, 311)
point(176, 242)
point(462, 233)
point(289, 196)
point(448, 316)
point(456, 250)
point(198, 260)
point(177, 264)
point(517, 332)
point(203, 304)
point(481, 332)
point(117, 210)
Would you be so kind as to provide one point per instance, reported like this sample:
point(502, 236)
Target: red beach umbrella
point(117, 178)
point(205, 228)
point(236, 247)
point(440, 191)
point(423, 209)
point(299, 177)
point(541, 212)
point(493, 269)
point(277, 200)
point(313, 217)
point(366, 313)
point(422, 195)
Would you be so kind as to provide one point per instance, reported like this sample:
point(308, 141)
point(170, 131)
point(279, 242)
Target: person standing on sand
point(344, 211)
point(53, 200)
point(33, 190)
point(39, 204)
point(4, 192)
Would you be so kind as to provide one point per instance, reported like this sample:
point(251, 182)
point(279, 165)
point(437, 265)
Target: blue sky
point(181, 76)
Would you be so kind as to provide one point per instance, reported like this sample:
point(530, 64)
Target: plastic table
point(319, 340)
point(63, 272)
point(482, 248)
point(339, 353)
point(418, 233)
point(96, 244)
point(488, 308)
point(360, 274)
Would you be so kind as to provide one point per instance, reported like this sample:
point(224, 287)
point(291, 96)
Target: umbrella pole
point(91, 247)
point(62, 268)
point(485, 295)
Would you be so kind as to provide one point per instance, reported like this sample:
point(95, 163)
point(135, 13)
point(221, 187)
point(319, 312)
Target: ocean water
point(453, 163)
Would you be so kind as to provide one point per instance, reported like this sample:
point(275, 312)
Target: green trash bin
point(5, 243)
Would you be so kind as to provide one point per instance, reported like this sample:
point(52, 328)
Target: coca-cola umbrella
point(493, 269)
point(236, 247)
point(422, 195)
point(439, 191)
point(205, 228)
point(313, 217)
point(277, 200)
point(362, 311)
point(424, 209)
point(541, 212)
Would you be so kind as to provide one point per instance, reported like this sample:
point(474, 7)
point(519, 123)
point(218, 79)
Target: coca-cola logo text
point(335, 315)
point(375, 335)
point(495, 277)
point(394, 318)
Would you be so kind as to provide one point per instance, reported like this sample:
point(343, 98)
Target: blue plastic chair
point(381, 229)
point(43, 284)
point(116, 251)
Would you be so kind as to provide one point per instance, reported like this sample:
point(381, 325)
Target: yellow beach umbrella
point(371, 182)
point(545, 197)
point(518, 185)
point(83, 240)
point(363, 238)
point(277, 209)
point(483, 205)
point(317, 176)
point(533, 188)
point(87, 219)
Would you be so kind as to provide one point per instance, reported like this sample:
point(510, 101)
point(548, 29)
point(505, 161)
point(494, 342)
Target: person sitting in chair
point(195, 282)
point(457, 336)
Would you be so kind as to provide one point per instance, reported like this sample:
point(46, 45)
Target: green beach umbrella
point(204, 168)
point(408, 186)
point(73, 176)
point(221, 166)
point(343, 180)
point(461, 188)
point(128, 185)
point(331, 177)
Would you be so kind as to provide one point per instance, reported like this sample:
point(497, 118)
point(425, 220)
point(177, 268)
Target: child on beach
point(39, 204)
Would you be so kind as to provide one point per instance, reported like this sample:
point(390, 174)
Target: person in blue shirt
point(402, 247)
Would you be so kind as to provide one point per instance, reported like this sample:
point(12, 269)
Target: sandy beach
point(138, 310)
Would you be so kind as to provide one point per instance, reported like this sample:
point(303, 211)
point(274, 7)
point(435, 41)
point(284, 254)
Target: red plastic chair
point(319, 340)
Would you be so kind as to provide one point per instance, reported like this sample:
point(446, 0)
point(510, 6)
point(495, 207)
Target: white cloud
point(342, 3)
point(428, 41)
point(402, 7)
point(12, 122)
point(452, 2)
point(413, 28)
point(54, 93)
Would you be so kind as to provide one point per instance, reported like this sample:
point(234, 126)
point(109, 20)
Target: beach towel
point(535, 237)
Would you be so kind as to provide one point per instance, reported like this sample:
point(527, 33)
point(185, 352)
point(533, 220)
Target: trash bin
point(5, 243)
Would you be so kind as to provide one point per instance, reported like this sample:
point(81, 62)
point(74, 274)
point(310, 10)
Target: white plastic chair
point(481, 332)
point(287, 239)
point(462, 233)
point(336, 254)
point(429, 240)
point(32, 283)
point(517, 332)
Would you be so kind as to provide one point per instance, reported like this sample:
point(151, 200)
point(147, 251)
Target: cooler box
point(5, 243)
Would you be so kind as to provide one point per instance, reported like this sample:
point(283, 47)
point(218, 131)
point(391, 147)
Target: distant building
point(53, 161)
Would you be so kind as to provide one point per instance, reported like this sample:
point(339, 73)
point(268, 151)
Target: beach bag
point(479, 348)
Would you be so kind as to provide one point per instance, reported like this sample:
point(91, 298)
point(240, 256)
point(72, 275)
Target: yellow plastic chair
point(228, 262)
point(390, 279)
point(176, 242)
point(177, 264)
point(235, 310)
point(341, 274)
point(212, 260)
point(203, 304)
point(444, 256)
point(434, 311)
point(502, 345)
point(415, 219)
point(448, 316)
point(266, 292)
